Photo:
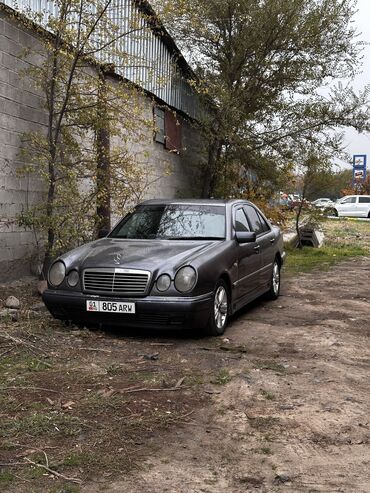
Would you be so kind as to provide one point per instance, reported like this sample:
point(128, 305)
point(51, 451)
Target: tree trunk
point(210, 174)
point(103, 206)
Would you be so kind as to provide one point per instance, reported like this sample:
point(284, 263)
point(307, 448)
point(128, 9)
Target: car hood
point(139, 254)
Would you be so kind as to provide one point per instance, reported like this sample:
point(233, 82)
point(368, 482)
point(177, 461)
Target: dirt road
point(281, 403)
point(290, 410)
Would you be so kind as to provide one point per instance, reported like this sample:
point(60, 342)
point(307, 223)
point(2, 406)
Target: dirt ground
point(280, 403)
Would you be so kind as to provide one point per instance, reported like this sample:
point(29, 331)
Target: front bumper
point(156, 312)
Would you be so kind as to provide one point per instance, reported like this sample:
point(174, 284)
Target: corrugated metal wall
point(148, 61)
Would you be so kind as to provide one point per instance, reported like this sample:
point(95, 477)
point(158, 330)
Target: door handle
point(257, 249)
point(272, 240)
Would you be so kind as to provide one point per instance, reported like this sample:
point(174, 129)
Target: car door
point(248, 260)
point(363, 206)
point(347, 207)
point(265, 242)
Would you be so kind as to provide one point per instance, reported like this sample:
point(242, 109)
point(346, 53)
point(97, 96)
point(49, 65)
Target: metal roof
point(153, 61)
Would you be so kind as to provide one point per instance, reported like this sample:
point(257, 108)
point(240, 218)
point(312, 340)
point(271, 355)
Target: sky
point(360, 143)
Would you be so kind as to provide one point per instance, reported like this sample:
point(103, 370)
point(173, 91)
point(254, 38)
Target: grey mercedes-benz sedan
point(170, 264)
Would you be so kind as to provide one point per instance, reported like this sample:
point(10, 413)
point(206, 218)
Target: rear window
point(364, 200)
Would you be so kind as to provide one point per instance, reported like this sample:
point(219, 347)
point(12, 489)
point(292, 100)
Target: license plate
point(110, 306)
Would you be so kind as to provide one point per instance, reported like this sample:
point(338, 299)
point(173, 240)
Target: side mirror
point(102, 233)
point(245, 236)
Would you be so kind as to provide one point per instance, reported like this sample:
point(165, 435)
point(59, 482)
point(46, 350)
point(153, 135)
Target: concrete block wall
point(21, 111)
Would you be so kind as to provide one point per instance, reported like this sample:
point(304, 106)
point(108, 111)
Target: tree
point(357, 188)
point(310, 169)
point(261, 67)
point(82, 156)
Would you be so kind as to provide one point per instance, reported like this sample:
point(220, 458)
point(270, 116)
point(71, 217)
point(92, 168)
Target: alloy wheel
point(220, 307)
point(276, 278)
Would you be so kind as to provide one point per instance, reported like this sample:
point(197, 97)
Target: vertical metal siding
point(140, 56)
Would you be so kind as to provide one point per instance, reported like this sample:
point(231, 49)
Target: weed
point(39, 423)
point(222, 377)
point(263, 423)
point(34, 364)
point(75, 459)
point(35, 472)
point(268, 395)
point(6, 477)
point(210, 481)
point(193, 380)
point(115, 370)
point(269, 365)
point(266, 451)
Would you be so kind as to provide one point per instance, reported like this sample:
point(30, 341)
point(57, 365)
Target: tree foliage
point(83, 156)
point(327, 183)
point(357, 188)
point(262, 66)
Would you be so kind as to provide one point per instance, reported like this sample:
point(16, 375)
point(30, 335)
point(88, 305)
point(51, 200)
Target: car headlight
point(185, 279)
point(163, 282)
point(73, 278)
point(57, 273)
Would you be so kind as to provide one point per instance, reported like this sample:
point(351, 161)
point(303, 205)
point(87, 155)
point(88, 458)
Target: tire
point(219, 315)
point(368, 216)
point(335, 213)
point(274, 291)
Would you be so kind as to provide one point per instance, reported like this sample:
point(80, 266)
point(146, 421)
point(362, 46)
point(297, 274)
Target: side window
point(254, 219)
point(265, 226)
point(364, 200)
point(350, 200)
point(159, 123)
point(241, 223)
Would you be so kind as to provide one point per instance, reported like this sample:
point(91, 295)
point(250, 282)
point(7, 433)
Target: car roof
point(220, 202)
point(360, 195)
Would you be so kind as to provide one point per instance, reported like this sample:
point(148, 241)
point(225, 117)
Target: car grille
point(116, 281)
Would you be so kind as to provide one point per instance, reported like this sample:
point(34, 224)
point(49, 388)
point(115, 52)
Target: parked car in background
point(293, 204)
point(170, 264)
point(352, 206)
point(323, 203)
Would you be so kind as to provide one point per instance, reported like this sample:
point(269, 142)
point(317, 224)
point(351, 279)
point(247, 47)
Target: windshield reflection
point(173, 222)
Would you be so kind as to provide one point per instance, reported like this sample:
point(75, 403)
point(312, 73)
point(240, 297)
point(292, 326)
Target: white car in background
point(322, 203)
point(352, 206)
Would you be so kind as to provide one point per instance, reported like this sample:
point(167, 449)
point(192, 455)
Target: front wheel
point(274, 291)
point(220, 310)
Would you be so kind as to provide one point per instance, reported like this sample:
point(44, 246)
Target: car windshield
point(173, 222)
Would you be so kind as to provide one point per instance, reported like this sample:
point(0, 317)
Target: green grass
point(34, 364)
point(222, 377)
point(77, 459)
point(6, 477)
point(308, 258)
point(38, 424)
point(193, 380)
